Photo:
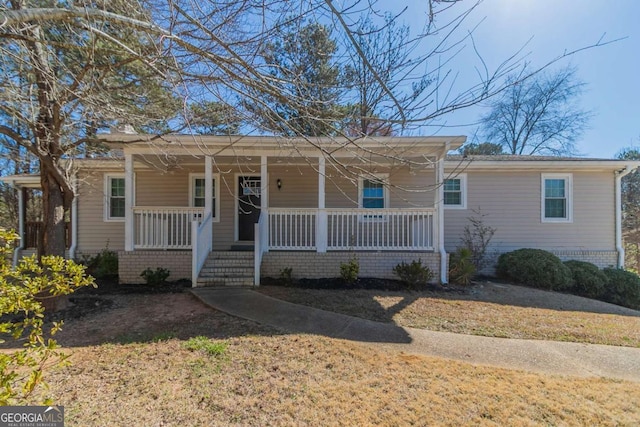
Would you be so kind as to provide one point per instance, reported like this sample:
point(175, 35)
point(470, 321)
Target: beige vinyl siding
point(299, 186)
point(511, 202)
point(94, 234)
point(154, 188)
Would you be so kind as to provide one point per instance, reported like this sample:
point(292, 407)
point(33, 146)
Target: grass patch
point(475, 314)
point(206, 345)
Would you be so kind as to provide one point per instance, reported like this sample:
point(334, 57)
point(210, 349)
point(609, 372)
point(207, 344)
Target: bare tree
point(538, 116)
point(64, 79)
point(72, 68)
point(380, 60)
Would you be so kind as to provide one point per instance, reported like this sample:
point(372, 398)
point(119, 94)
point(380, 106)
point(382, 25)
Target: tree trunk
point(53, 231)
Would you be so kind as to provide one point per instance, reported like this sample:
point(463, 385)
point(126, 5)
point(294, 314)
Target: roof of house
point(239, 145)
point(505, 162)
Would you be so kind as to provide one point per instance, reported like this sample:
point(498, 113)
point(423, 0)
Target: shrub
point(349, 271)
point(623, 288)
point(103, 265)
point(535, 268)
point(461, 266)
point(414, 275)
point(157, 277)
point(588, 280)
point(286, 276)
point(476, 237)
point(21, 317)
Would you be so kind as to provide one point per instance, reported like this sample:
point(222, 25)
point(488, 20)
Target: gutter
point(444, 265)
point(619, 174)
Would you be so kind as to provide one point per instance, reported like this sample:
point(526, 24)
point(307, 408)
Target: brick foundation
point(314, 265)
point(131, 264)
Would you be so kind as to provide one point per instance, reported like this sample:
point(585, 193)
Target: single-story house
point(228, 210)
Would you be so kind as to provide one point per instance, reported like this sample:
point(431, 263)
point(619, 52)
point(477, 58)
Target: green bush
point(414, 275)
point(103, 265)
point(461, 266)
point(623, 288)
point(535, 268)
point(23, 290)
point(588, 280)
point(349, 271)
point(286, 276)
point(157, 277)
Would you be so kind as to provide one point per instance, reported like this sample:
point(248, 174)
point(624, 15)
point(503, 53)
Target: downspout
point(618, 200)
point(444, 265)
point(74, 220)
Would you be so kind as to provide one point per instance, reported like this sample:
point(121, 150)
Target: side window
point(556, 198)
point(197, 194)
point(455, 192)
point(114, 198)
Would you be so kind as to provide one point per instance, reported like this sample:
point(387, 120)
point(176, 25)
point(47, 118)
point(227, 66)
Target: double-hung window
point(114, 198)
point(373, 194)
point(556, 198)
point(455, 192)
point(197, 192)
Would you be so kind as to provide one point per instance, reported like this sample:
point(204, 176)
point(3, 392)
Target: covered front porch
point(265, 195)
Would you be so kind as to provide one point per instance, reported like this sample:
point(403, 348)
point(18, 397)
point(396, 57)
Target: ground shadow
point(277, 313)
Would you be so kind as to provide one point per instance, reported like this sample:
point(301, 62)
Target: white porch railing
point(380, 229)
point(164, 227)
point(292, 229)
point(351, 229)
point(202, 238)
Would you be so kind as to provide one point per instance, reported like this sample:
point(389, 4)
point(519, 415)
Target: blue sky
point(611, 72)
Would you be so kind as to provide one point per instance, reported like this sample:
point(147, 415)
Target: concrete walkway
point(584, 360)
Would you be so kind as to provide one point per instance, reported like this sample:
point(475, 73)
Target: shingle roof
point(515, 157)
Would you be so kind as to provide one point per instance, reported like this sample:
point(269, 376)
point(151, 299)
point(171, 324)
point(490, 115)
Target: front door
point(248, 206)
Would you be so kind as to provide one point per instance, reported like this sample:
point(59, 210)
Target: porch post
point(208, 187)
point(21, 216)
point(322, 225)
point(439, 235)
point(128, 202)
point(264, 184)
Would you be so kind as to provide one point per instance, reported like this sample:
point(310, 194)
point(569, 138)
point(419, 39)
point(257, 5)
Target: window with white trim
point(114, 197)
point(556, 204)
point(196, 184)
point(455, 192)
point(373, 193)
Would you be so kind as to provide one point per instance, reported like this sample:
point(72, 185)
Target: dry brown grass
point(126, 371)
point(307, 380)
point(566, 318)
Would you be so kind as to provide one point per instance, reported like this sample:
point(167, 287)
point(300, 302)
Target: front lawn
point(490, 310)
point(138, 362)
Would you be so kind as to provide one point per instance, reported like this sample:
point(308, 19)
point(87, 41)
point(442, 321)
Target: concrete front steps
point(227, 268)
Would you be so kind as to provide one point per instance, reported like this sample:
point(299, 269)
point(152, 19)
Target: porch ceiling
point(22, 181)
